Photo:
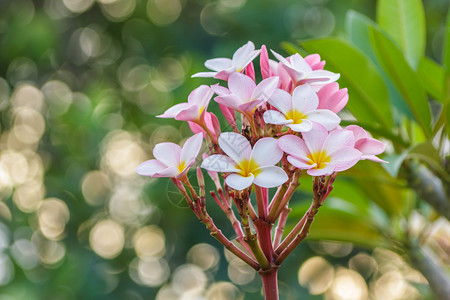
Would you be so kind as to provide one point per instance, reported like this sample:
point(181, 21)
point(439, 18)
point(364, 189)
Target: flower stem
point(270, 283)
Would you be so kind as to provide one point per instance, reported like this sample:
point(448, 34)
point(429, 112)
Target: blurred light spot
point(390, 285)
point(6, 269)
point(95, 187)
point(165, 133)
point(107, 238)
point(51, 252)
point(4, 94)
point(348, 285)
point(153, 101)
point(316, 274)
point(15, 165)
point(337, 249)
point(149, 241)
point(117, 10)
point(5, 212)
point(188, 277)
point(24, 10)
point(203, 255)
point(56, 9)
point(239, 272)
point(21, 69)
point(232, 4)
point(4, 237)
point(90, 42)
point(29, 96)
point(163, 12)
point(224, 291)
point(363, 264)
point(170, 74)
point(78, 6)
point(137, 78)
point(167, 293)
point(25, 254)
point(58, 95)
point(212, 21)
point(152, 272)
point(127, 206)
point(122, 154)
point(319, 21)
point(29, 125)
point(53, 216)
point(27, 197)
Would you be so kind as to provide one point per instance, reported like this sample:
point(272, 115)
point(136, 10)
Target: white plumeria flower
point(301, 72)
point(171, 160)
point(299, 111)
point(223, 67)
point(247, 165)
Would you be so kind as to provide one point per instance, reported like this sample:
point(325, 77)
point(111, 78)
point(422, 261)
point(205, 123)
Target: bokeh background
point(81, 82)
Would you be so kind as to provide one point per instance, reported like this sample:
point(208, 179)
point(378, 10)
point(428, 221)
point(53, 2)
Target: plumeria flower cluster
point(283, 122)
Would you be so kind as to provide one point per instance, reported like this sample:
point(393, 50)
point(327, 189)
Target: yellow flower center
point(320, 158)
point(296, 116)
point(181, 166)
point(247, 167)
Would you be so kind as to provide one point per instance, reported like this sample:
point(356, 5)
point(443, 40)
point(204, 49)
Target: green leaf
point(395, 161)
point(369, 98)
point(358, 31)
point(432, 77)
point(446, 60)
point(404, 22)
point(405, 79)
point(428, 154)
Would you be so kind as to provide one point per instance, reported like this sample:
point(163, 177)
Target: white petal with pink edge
point(324, 117)
point(275, 117)
point(239, 182)
point(241, 86)
point(218, 64)
point(281, 100)
point(327, 170)
point(235, 146)
point(191, 148)
point(301, 163)
point(265, 89)
point(370, 146)
point(219, 163)
point(249, 107)
point(169, 172)
point(167, 153)
point(230, 100)
point(270, 176)
point(304, 126)
point(173, 111)
point(266, 152)
point(345, 158)
point(315, 138)
point(338, 139)
point(304, 99)
point(150, 167)
point(293, 145)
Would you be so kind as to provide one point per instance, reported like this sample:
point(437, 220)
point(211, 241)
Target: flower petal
point(300, 163)
point(327, 170)
point(304, 126)
point(275, 117)
point(235, 146)
point(201, 96)
point(265, 89)
point(338, 139)
point(169, 172)
point(293, 145)
point(173, 111)
point(242, 54)
point(241, 86)
point(345, 158)
point(150, 167)
point(299, 63)
point(324, 117)
point(270, 176)
point(191, 148)
point(358, 132)
point(231, 101)
point(238, 182)
point(218, 64)
point(315, 138)
point(321, 77)
point(167, 153)
point(281, 100)
point(204, 74)
point(304, 99)
point(219, 163)
point(266, 152)
point(373, 158)
point(220, 90)
point(370, 146)
point(249, 107)
point(191, 113)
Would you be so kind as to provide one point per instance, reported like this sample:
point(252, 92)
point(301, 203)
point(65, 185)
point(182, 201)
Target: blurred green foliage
point(80, 84)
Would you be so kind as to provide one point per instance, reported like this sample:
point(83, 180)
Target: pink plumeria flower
point(211, 122)
point(171, 160)
point(332, 98)
point(223, 67)
point(369, 147)
point(247, 165)
point(244, 95)
point(301, 72)
point(194, 109)
point(320, 152)
point(300, 110)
